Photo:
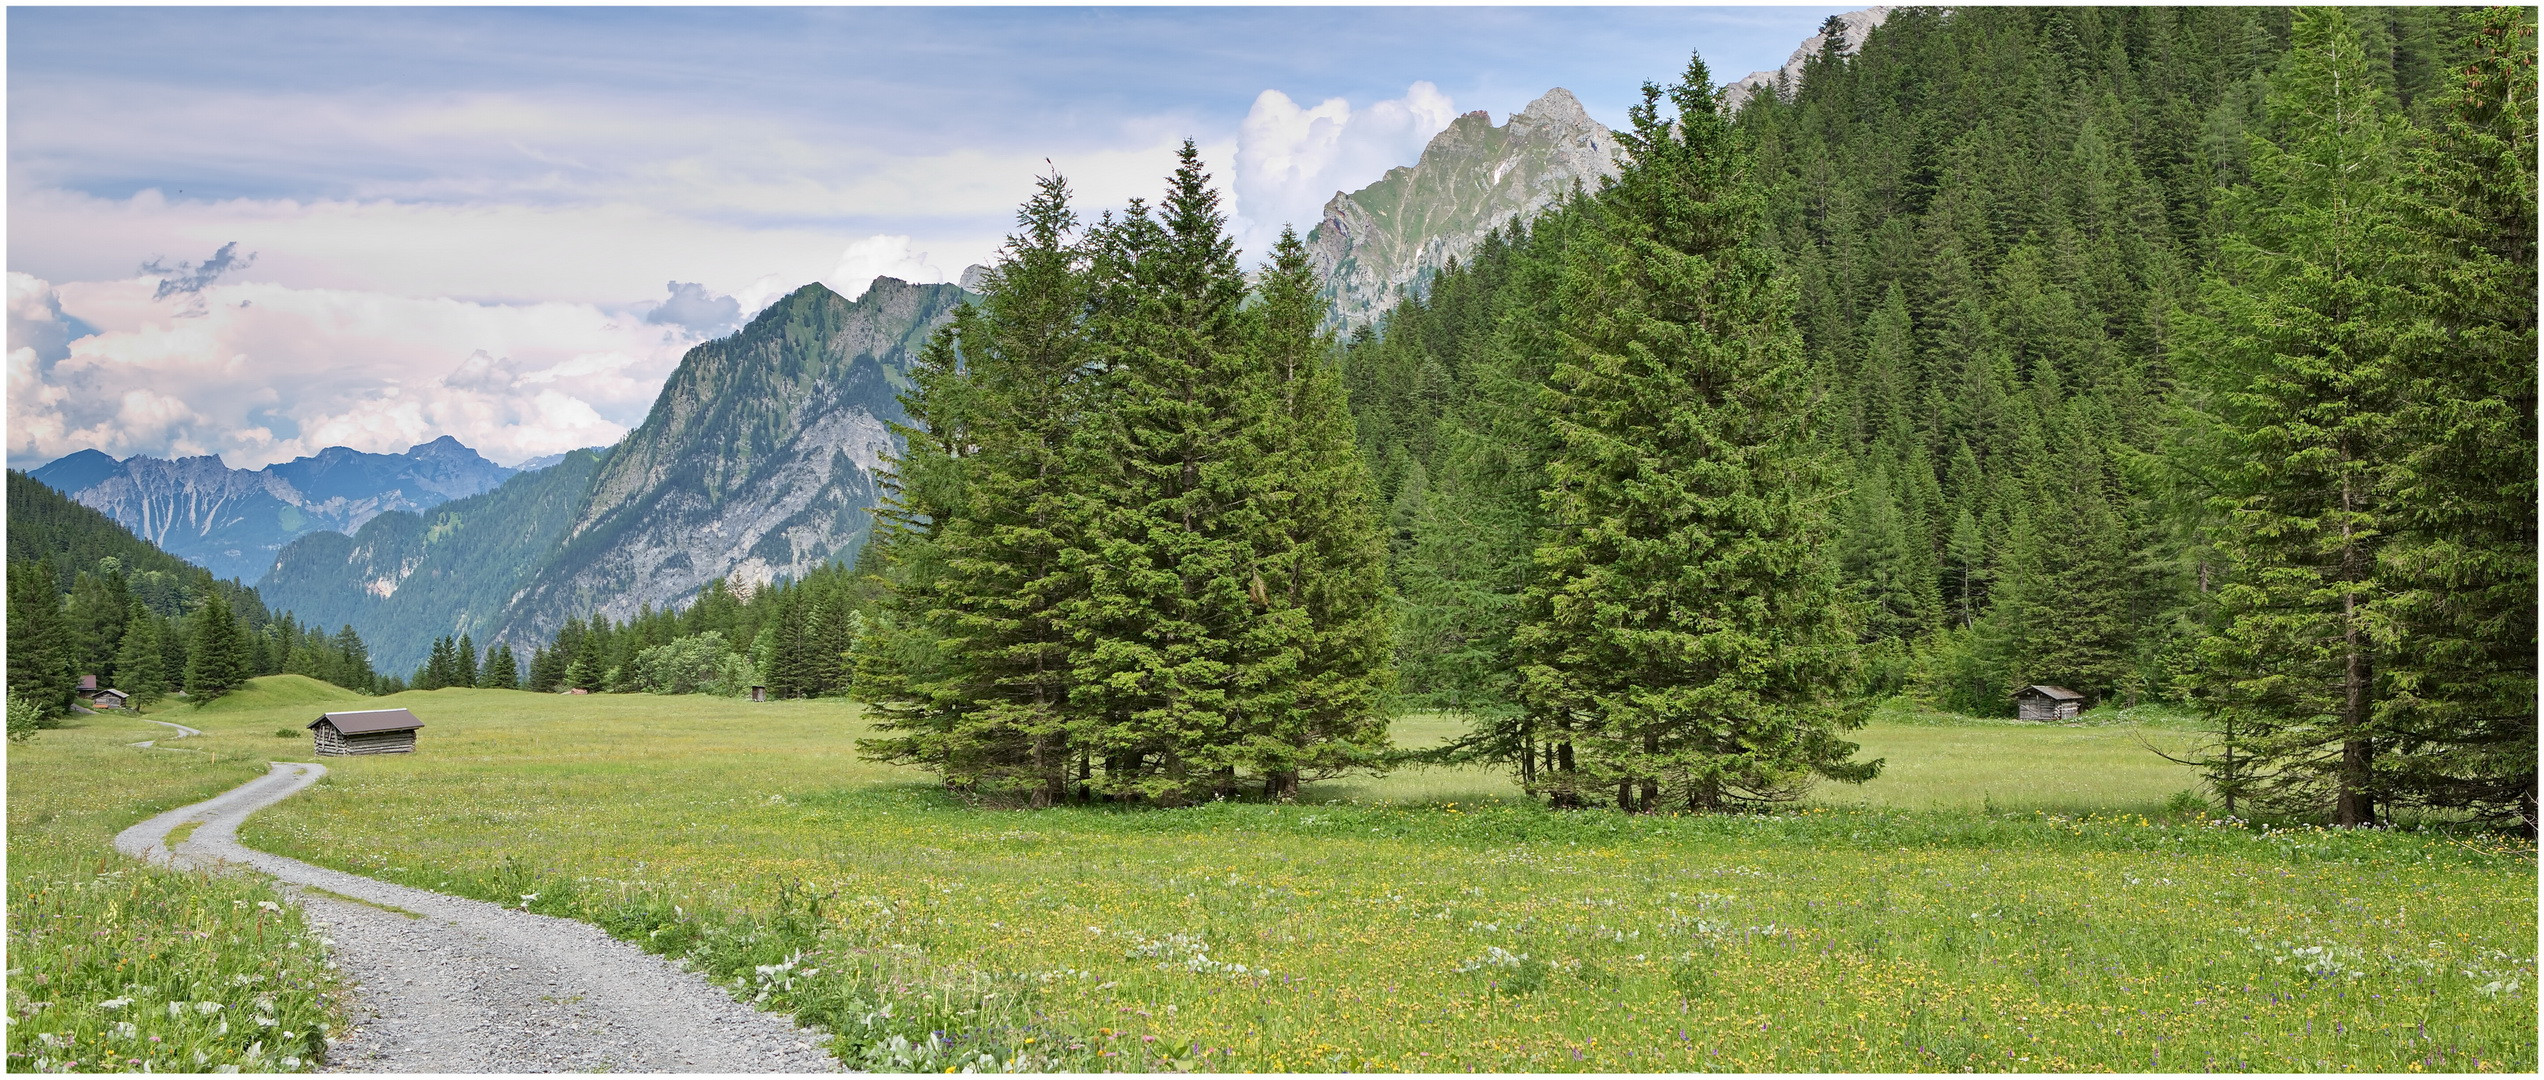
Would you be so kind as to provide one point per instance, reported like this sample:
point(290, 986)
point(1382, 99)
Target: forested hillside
point(2022, 245)
point(87, 597)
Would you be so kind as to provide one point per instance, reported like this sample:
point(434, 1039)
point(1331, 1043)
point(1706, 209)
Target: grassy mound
point(278, 691)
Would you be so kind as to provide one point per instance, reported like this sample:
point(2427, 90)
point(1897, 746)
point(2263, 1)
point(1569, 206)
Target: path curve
point(465, 986)
point(182, 732)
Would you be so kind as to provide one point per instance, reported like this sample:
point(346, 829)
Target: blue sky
point(460, 217)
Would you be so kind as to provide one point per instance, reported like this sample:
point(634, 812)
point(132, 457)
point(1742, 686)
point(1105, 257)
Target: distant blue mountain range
point(233, 521)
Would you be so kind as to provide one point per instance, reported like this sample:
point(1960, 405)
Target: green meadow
point(2014, 898)
point(115, 966)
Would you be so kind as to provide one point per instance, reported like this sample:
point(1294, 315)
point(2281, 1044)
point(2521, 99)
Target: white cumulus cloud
point(268, 372)
point(1291, 159)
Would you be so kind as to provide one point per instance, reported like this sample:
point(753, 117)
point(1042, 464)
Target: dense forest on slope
point(1994, 222)
point(87, 597)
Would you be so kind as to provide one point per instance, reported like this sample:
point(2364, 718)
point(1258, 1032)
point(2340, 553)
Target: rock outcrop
point(757, 463)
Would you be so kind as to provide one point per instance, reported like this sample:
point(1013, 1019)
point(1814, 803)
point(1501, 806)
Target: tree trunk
point(2356, 805)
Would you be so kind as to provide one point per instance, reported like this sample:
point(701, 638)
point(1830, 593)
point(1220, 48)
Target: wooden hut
point(2048, 703)
point(371, 731)
point(759, 692)
point(90, 695)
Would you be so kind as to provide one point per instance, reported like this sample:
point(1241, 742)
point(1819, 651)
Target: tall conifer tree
point(216, 652)
point(140, 667)
point(1170, 664)
point(1686, 639)
point(2293, 349)
point(976, 665)
point(1320, 561)
point(2460, 615)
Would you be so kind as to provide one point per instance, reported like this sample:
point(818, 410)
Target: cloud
point(189, 280)
point(268, 373)
point(879, 256)
point(36, 320)
point(692, 305)
point(1290, 160)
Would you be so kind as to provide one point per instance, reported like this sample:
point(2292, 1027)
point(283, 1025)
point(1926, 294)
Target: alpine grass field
point(1421, 927)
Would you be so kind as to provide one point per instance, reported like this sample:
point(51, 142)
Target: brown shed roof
point(370, 720)
point(2054, 693)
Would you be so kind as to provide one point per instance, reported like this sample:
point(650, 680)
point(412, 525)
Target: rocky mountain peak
point(1384, 242)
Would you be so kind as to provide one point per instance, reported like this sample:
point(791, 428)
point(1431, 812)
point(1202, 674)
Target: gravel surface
point(449, 985)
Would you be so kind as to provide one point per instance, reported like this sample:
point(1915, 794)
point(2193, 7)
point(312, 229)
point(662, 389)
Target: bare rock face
point(1384, 242)
point(757, 462)
point(1859, 25)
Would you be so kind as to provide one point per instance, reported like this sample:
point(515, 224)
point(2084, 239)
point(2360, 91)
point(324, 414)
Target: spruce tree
point(1170, 660)
point(2459, 620)
point(502, 671)
point(353, 661)
point(1320, 558)
point(441, 666)
point(974, 668)
point(39, 638)
point(2292, 350)
point(1686, 641)
point(140, 669)
point(216, 652)
point(464, 662)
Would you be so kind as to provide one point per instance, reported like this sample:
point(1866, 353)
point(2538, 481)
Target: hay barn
point(2048, 703)
point(372, 731)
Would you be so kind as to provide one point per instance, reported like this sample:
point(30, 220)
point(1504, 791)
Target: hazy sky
point(506, 224)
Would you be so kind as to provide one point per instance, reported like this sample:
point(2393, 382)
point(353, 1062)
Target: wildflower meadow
point(115, 966)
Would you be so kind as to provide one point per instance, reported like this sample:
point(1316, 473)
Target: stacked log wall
point(337, 744)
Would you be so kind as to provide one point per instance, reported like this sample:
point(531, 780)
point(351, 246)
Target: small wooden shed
point(759, 692)
point(2038, 702)
point(371, 731)
point(91, 696)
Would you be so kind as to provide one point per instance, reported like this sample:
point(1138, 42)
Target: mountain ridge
point(233, 522)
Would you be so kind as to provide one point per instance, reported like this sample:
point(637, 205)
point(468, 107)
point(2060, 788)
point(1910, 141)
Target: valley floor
point(2054, 919)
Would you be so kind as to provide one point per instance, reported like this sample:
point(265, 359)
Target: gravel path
point(448, 985)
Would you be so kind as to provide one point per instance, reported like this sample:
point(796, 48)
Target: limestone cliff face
point(1384, 242)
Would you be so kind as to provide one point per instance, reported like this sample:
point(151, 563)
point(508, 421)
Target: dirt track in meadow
point(443, 984)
